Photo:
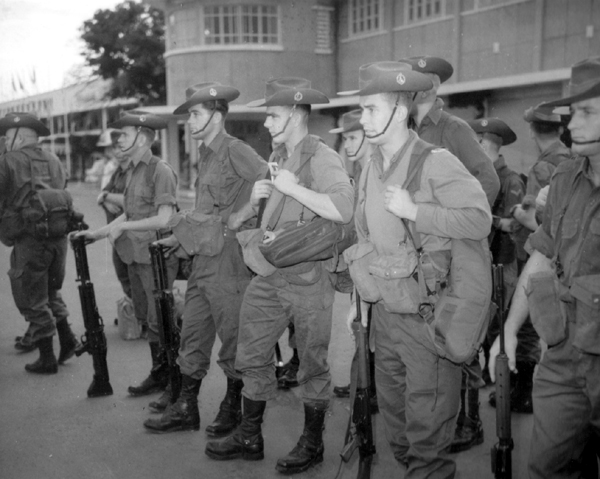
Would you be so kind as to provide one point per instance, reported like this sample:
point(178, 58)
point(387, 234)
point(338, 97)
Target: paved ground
point(50, 429)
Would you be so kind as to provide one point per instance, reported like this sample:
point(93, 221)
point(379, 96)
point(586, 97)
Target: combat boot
point(288, 377)
point(25, 343)
point(183, 415)
point(230, 410)
point(163, 401)
point(68, 341)
point(469, 429)
point(309, 450)
point(247, 441)
point(46, 363)
point(157, 380)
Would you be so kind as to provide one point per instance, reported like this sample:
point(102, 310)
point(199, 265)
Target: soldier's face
point(585, 127)
point(353, 144)
point(198, 121)
point(127, 138)
point(277, 123)
point(376, 113)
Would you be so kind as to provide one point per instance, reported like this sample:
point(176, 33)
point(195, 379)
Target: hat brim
point(413, 82)
point(151, 124)
point(226, 93)
point(289, 98)
point(592, 92)
point(37, 126)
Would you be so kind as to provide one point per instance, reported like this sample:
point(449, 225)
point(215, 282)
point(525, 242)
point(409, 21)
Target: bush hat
point(387, 77)
point(541, 113)
point(427, 64)
point(23, 120)
point(289, 91)
point(207, 91)
point(584, 84)
point(495, 126)
point(139, 118)
point(350, 122)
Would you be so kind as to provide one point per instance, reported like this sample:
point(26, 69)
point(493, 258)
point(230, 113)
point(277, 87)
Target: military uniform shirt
point(442, 129)
point(543, 169)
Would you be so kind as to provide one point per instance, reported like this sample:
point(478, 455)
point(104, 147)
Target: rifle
point(362, 435)
point(165, 306)
point(501, 452)
point(94, 340)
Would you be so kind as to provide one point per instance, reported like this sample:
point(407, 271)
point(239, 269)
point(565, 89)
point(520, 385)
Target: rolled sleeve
point(331, 178)
point(165, 186)
point(248, 164)
point(462, 210)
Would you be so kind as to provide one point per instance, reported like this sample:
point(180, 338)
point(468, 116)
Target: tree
point(127, 45)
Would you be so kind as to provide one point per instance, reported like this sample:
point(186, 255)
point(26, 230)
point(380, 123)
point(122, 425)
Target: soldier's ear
point(401, 113)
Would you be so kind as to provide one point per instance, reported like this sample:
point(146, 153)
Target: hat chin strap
point(287, 122)
point(195, 132)
point(389, 121)
point(12, 143)
point(139, 128)
point(359, 146)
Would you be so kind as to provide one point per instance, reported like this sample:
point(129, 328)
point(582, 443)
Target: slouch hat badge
point(212, 92)
point(298, 96)
point(400, 79)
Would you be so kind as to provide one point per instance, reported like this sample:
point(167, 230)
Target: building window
point(324, 39)
point(423, 10)
point(473, 5)
point(366, 16)
point(241, 24)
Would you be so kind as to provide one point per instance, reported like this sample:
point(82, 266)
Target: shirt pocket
point(570, 227)
point(210, 181)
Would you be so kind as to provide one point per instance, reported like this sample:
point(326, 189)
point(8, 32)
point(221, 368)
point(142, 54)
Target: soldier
point(301, 293)
point(37, 264)
point(494, 134)
point(559, 288)
point(418, 392)
point(438, 127)
point(545, 128)
point(148, 203)
point(111, 198)
point(227, 170)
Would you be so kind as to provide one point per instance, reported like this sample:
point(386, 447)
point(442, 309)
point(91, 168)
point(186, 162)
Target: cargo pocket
point(544, 307)
point(16, 281)
point(358, 257)
point(586, 291)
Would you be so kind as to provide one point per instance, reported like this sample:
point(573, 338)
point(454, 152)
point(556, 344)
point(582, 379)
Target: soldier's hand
point(112, 208)
point(542, 197)
point(399, 202)
point(284, 181)
point(171, 243)
point(352, 316)
point(510, 348)
point(234, 221)
point(90, 236)
point(261, 189)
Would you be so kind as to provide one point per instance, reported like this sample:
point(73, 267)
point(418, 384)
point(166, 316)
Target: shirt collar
point(215, 145)
point(146, 157)
point(436, 111)
point(377, 157)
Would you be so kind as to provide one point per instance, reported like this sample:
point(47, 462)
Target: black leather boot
point(68, 341)
point(469, 431)
point(230, 411)
point(341, 391)
point(289, 373)
point(183, 415)
point(46, 363)
point(25, 343)
point(309, 450)
point(163, 401)
point(247, 441)
point(157, 380)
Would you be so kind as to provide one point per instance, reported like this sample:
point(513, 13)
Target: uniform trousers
point(270, 303)
point(418, 394)
point(37, 272)
point(141, 279)
point(566, 409)
point(122, 272)
point(213, 298)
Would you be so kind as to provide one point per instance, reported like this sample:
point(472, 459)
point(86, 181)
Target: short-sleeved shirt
point(227, 171)
point(328, 176)
point(452, 203)
point(543, 169)
point(442, 129)
point(15, 173)
point(143, 196)
point(570, 228)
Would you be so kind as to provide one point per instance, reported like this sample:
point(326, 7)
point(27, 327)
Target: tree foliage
point(127, 45)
